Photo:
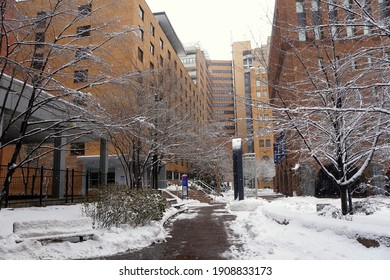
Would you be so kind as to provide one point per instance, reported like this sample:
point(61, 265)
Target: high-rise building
point(196, 63)
point(252, 109)
point(223, 96)
point(128, 38)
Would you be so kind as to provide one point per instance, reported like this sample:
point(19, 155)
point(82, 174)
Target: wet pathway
point(199, 233)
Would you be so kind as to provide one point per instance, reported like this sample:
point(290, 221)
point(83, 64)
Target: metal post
point(7, 191)
point(66, 185)
point(72, 185)
point(86, 183)
point(238, 170)
point(41, 188)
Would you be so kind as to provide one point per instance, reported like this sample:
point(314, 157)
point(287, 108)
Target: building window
point(175, 65)
point(41, 19)
point(353, 64)
point(370, 60)
point(83, 53)
point(80, 76)
point(39, 39)
point(161, 61)
point(333, 18)
point(300, 10)
point(261, 143)
point(152, 30)
point(77, 149)
point(84, 31)
point(161, 44)
point(268, 143)
point(248, 63)
point(169, 55)
point(316, 19)
point(141, 34)
point(37, 62)
point(141, 13)
point(85, 10)
point(258, 83)
point(384, 7)
point(151, 48)
point(140, 55)
point(349, 18)
point(367, 9)
point(151, 66)
point(265, 93)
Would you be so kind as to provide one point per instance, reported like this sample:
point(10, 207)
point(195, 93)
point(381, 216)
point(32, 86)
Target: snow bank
point(301, 234)
point(246, 205)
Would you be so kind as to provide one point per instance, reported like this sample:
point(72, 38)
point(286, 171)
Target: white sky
point(215, 24)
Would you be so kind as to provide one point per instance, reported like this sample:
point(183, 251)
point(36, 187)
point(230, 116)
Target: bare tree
point(48, 71)
point(150, 127)
point(336, 109)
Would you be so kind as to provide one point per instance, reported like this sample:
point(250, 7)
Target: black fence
point(32, 186)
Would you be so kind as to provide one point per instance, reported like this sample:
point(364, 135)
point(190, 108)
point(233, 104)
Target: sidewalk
point(198, 234)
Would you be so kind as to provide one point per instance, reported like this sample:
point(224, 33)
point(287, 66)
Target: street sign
point(184, 183)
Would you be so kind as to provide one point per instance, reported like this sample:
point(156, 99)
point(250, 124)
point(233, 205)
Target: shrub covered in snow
point(333, 212)
point(365, 206)
point(115, 205)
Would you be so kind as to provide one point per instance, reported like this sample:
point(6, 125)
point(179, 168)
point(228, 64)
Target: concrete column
point(103, 161)
point(59, 166)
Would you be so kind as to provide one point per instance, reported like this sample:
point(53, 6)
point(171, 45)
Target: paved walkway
point(199, 233)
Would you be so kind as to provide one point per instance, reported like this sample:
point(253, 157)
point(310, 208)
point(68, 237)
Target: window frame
point(80, 76)
point(84, 31)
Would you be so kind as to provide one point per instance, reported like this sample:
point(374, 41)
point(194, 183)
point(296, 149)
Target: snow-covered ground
point(291, 229)
point(287, 228)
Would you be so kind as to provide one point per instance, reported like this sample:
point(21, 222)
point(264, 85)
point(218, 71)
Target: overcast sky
point(215, 24)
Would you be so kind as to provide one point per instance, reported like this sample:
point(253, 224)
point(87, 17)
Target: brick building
point(319, 48)
point(105, 40)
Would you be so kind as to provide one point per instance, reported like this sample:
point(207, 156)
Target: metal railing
point(34, 184)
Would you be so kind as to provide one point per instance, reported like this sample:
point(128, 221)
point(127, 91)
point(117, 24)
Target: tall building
point(127, 38)
point(196, 63)
point(252, 110)
point(223, 96)
point(336, 50)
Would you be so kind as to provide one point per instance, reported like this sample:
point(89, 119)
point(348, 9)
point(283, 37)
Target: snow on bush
point(116, 205)
point(332, 211)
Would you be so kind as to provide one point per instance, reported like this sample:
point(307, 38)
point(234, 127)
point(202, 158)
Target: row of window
point(191, 60)
point(333, 7)
point(263, 118)
point(362, 63)
point(223, 85)
point(221, 112)
point(221, 64)
point(84, 10)
point(264, 131)
point(223, 98)
point(265, 143)
point(222, 71)
point(262, 94)
point(223, 105)
point(223, 91)
point(222, 78)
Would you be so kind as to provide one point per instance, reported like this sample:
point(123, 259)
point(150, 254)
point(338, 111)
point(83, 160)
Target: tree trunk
point(350, 210)
point(344, 200)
